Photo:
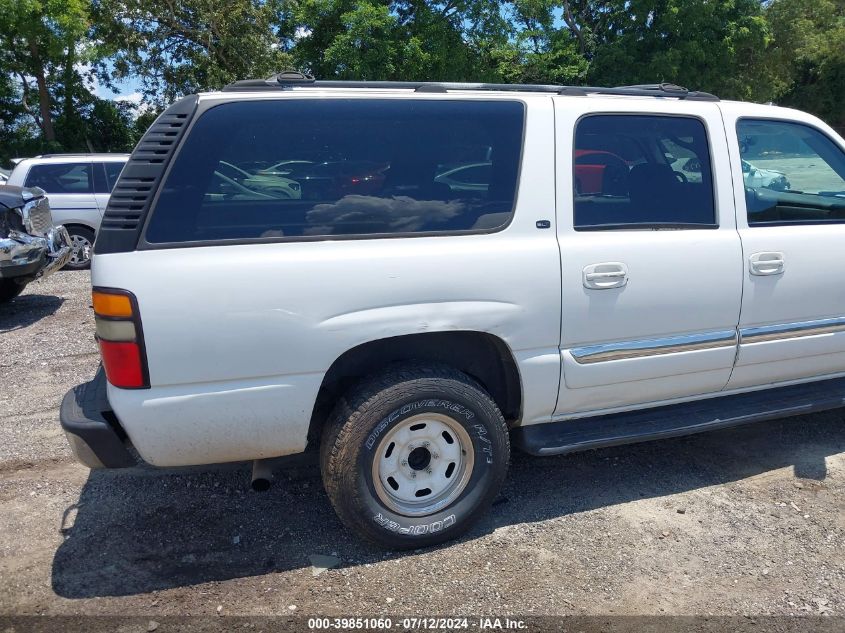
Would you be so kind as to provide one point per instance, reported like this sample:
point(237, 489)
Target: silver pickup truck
point(30, 246)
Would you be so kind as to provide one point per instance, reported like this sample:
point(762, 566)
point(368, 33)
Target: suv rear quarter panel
point(239, 337)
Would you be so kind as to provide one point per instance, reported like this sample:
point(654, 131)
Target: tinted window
point(642, 170)
point(105, 176)
point(309, 168)
point(101, 185)
point(792, 173)
point(62, 178)
point(112, 172)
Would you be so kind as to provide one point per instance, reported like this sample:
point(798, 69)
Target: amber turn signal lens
point(111, 305)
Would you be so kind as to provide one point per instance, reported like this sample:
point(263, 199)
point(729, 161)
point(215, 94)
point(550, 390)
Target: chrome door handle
point(766, 264)
point(605, 275)
point(614, 275)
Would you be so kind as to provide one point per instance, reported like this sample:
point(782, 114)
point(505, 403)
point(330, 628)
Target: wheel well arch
point(81, 225)
point(481, 355)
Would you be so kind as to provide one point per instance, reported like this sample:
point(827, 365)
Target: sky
point(129, 91)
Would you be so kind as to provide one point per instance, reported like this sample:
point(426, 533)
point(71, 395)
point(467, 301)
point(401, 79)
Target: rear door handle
point(605, 275)
point(766, 263)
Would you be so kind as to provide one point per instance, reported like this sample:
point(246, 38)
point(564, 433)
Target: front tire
point(414, 456)
point(9, 289)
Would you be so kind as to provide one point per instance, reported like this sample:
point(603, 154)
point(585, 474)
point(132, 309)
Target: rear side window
point(112, 172)
point(642, 171)
point(792, 173)
point(321, 168)
point(105, 176)
point(61, 178)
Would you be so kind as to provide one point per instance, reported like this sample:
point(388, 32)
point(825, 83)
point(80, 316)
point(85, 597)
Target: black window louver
point(132, 195)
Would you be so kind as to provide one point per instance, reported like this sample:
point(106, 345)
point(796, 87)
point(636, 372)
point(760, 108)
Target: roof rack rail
point(71, 154)
point(642, 90)
point(290, 79)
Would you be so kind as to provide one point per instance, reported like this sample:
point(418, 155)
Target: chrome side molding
point(706, 340)
point(653, 347)
point(791, 330)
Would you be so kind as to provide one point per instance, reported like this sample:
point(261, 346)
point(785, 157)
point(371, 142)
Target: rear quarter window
point(306, 168)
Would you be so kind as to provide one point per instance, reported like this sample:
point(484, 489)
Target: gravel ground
point(746, 521)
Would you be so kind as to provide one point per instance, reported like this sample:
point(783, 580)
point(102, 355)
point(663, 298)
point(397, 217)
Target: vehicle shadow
point(27, 309)
point(143, 530)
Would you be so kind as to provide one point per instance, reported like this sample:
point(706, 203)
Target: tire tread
point(347, 421)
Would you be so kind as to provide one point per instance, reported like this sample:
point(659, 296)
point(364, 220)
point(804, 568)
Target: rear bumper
point(94, 440)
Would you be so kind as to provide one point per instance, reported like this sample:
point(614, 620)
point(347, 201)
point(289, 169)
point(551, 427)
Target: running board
point(556, 438)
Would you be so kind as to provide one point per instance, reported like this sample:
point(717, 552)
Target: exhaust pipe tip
point(262, 475)
point(261, 485)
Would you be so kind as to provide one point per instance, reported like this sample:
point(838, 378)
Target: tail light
point(121, 338)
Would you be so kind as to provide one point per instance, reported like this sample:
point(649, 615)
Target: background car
point(754, 177)
point(757, 177)
point(324, 180)
point(271, 184)
point(31, 247)
point(598, 171)
point(470, 177)
point(79, 187)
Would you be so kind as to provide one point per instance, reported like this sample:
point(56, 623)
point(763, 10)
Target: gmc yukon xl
point(409, 278)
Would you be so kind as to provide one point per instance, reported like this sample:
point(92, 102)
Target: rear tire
point(414, 456)
point(9, 289)
point(82, 241)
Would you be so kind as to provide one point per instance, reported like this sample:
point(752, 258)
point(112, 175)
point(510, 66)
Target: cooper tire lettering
point(414, 530)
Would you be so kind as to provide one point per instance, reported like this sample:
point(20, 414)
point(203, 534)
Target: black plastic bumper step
point(94, 440)
point(707, 414)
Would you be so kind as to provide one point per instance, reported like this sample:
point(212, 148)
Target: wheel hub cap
point(80, 249)
point(419, 458)
point(422, 464)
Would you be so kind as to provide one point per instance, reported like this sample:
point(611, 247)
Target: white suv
point(574, 289)
point(78, 187)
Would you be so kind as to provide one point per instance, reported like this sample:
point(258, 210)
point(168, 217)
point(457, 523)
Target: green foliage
point(98, 125)
point(176, 48)
point(538, 51)
point(372, 45)
point(707, 44)
point(39, 39)
point(407, 40)
point(806, 58)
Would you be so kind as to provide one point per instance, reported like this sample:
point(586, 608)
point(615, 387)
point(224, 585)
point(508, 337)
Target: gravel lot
point(747, 521)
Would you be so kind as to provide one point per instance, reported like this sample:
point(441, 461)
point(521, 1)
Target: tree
point(399, 40)
point(177, 48)
point(714, 45)
point(38, 39)
point(806, 57)
point(538, 51)
point(372, 44)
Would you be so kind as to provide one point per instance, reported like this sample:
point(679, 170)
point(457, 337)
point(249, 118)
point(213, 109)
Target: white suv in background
point(78, 187)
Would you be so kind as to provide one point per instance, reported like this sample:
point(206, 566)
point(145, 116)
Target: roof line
point(291, 79)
